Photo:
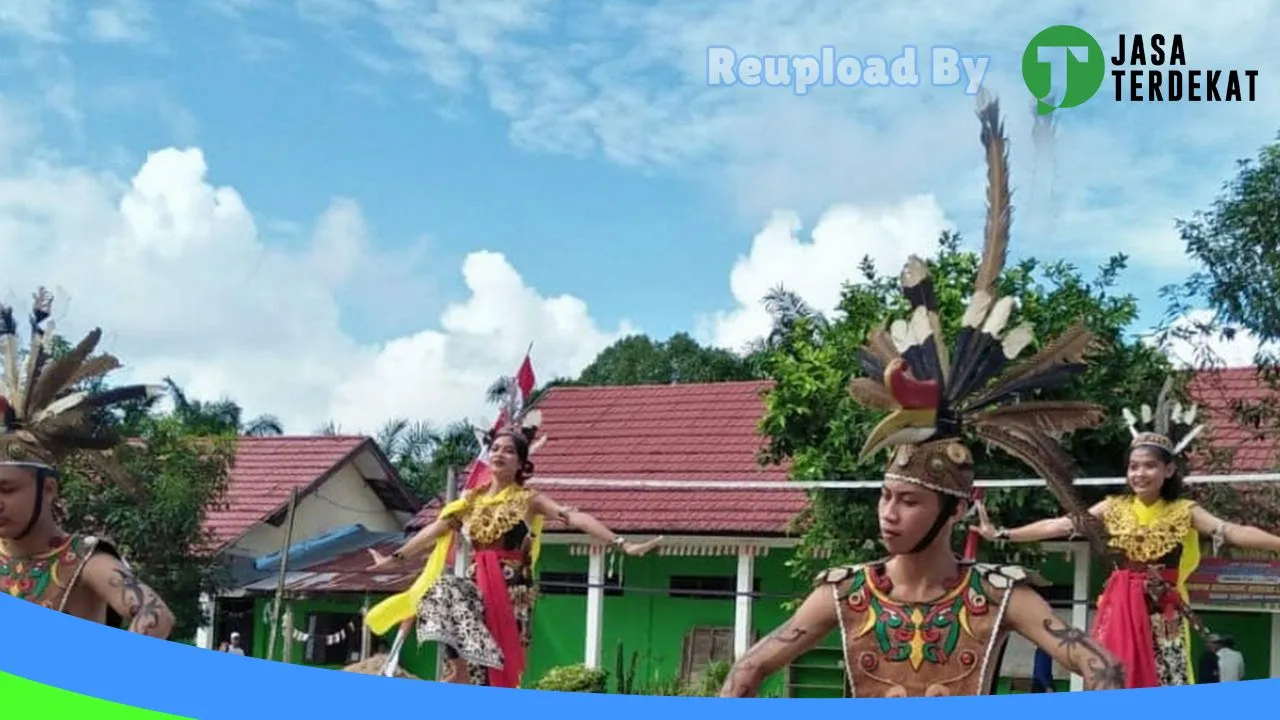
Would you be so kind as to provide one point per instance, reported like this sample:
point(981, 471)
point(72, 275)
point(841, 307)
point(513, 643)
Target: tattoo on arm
point(1098, 667)
point(139, 603)
point(758, 662)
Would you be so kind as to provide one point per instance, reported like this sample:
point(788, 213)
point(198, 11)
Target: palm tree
point(403, 440)
point(263, 426)
point(329, 429)
point(220, 417)
point(505, 388)
point(789, 312)
point(410, 447)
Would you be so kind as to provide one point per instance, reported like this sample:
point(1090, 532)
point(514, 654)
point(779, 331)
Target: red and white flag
point(525, 380)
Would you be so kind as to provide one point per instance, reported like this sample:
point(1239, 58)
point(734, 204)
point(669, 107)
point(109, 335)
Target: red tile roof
point(1219, 393)
point(266, 471)
point(696, 432)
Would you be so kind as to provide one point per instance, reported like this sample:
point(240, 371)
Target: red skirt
point(500, 616)
point(1123, 624)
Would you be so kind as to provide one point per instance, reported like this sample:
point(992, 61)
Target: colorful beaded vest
point(950, 646)
point(47, 579)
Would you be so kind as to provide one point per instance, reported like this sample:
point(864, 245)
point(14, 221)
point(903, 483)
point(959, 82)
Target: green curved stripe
point(43, 701)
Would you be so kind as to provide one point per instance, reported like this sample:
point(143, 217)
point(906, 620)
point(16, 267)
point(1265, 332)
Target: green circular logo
point(1063, 66)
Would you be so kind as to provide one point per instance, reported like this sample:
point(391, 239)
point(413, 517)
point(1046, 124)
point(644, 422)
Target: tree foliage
point(640, 360)
point(219, 417)
point(811, 419)
point(1236, 242)
point(423, 456)
point(182, 461)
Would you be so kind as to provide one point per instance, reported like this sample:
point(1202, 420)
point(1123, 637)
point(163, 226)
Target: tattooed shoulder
point(132, 599)
point(1099, 668)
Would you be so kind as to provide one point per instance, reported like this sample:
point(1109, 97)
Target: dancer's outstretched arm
point(815, 618)
point(1242, 536)
point(414, 547)
point(1032, 618)
point(582, 522)
point(1040, 530)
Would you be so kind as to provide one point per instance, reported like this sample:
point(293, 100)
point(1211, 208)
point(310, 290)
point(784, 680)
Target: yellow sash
point(400, 607)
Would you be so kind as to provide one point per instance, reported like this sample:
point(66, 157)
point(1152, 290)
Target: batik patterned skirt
point(452, 613)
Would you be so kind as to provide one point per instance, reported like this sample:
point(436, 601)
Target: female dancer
point(1143, 615)
point(483, 621)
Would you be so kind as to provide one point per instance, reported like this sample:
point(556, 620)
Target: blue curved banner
point(49, 660)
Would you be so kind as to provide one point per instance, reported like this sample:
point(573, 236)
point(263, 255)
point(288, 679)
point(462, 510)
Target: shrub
point(573, 678)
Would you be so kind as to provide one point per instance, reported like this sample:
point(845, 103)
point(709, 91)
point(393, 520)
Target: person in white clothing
point(1230, 661)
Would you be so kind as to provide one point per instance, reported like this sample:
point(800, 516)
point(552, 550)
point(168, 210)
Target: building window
point(707, 587)
point(703, 646)
point(332, 638)
point(574, 583)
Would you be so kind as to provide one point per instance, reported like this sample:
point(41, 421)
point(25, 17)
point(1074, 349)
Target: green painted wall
point(645, 619)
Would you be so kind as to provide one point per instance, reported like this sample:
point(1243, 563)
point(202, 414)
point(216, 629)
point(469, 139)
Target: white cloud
point(1196, 341)
point(119, 21)
point(817, 269)
point(33, 19)
point(177, 272)
point(628, 81)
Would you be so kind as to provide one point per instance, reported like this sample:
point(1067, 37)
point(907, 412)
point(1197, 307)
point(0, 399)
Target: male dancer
point(923, 622)
point(46, 421)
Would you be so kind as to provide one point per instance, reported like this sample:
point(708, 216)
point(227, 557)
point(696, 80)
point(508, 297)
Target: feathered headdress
point(937, 394)
point(514, 416)
point(1168, 414)
point(45, 417)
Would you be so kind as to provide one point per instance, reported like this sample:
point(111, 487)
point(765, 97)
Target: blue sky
point(335, 165)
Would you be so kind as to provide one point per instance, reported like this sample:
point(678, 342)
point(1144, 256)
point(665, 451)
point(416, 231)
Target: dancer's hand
point(984, 526)
point(641, 548)
point(382, 562)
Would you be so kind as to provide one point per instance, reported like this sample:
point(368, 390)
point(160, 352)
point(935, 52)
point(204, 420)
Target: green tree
point(640, 360)
point(459, 445)
point(1236, 243)
point(811, 419)
point(183, 469)
point(218, 417)
point(422, 456)
point(159, 526)
point(410, 447)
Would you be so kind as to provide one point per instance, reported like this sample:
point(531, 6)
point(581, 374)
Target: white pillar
point(1275, 646)
point(366, 635)
point(1080, 598)
point(208, 610)
point(595, 605)
point(287, 652)
point(742, 602)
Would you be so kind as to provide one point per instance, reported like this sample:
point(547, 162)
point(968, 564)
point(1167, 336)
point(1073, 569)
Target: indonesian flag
point(525, 380)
